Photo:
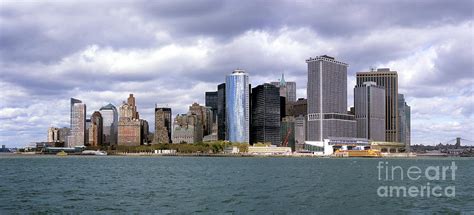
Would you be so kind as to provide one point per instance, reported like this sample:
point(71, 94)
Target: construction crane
point(287, 136)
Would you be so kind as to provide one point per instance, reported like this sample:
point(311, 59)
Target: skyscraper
point(95, 130)
point(162, 125)
point(369, 106)
point(265, 125)
point(389, 81)
point(110, 122)
point(78, 124)
point(238, 107)
point(187, 128)
point(130, 127)
point(205, 116)
point(211, 101)
point(287, 88)
point(221, 116)
point(404, 121)
point(327, 99)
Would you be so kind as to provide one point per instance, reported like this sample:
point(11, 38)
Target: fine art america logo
point(434, 174)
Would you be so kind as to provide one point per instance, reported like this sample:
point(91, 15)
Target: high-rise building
point(211, 101)
point(78, 124)
point(53, 134)
point(327, 99)
point(162, 125)
point(389, 81)
point(205, 116)
point(95, 130)
point(238, 106)
point(221, 115)
point(369, 107)
point(300, 131)
point(404, 121)
point(110, 122)
point(130, 127)
point(287, 88)
point(265, 111)
point(187, 128)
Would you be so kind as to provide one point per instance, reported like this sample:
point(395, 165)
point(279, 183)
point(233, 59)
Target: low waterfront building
point(269, 150)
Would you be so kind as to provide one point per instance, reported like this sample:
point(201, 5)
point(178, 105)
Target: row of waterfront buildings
point(267, 113)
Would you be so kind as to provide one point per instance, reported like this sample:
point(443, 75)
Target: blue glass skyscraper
point(238, 106)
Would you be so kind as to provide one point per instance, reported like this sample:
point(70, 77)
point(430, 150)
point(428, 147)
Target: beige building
point(388, 80)
point(132, 131)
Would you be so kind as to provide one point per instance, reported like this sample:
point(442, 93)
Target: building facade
point(287, 88)
point(265, 114)
point(162, 125)
point(238, 107)
point(95, 130)
point(130, 127)
point(205, 116)
point(389, 81)
point(221, 115)
point(211, 101)
point(327, 100)
point(77, 136)
point(110, 123)
point(404, 121)
point(53, 134)
point(369, 108)
point(187, 128)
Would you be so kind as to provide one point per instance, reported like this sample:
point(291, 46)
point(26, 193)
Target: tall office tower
point(327, 99)
point(77, 136)
point(265, 111)
point(187, 128)
point(53, 134)
point(211, 101)
point(287, 88)
point(95, 130)
point(369, 107)
point(162, 125)
point(129, 125)
point(73, 101)
point(389, 81)
point(64, 132)
point(110, 122)
point(238, 106)
point(221, 107)
point(404, 121)
point(131, 103)
point(205, 116)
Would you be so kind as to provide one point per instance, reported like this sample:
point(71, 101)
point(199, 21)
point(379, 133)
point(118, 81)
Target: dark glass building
point(265, 112)
point(211, 101)
point(221, 122)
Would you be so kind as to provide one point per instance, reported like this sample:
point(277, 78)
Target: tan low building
point(388, 147)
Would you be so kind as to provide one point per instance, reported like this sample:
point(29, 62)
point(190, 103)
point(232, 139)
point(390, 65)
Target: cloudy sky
point(171, 52)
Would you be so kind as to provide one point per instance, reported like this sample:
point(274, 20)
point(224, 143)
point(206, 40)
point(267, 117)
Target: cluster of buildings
point(269, 113)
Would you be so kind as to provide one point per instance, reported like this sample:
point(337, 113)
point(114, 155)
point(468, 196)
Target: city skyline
point(174, 65)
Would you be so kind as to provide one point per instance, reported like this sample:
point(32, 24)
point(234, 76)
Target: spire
point(282, 81)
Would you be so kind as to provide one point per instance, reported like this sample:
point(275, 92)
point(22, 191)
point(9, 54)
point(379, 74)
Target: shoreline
point(224, 155)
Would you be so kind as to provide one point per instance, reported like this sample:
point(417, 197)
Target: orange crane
point(285, 141)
